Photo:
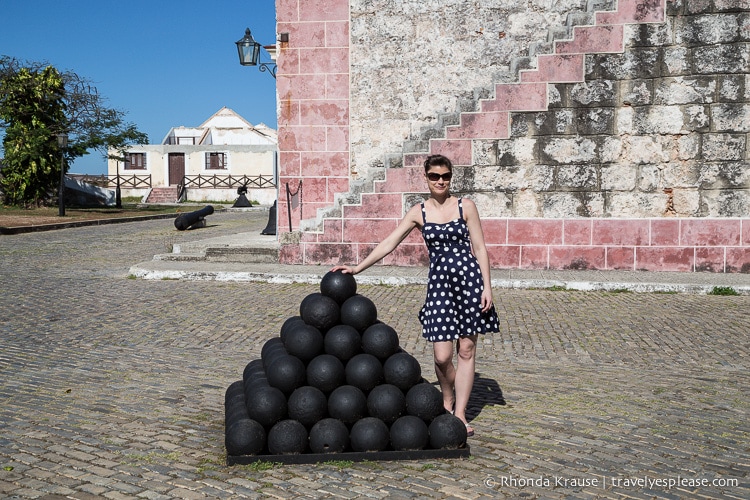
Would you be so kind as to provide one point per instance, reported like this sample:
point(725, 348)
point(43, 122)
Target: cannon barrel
point(184, 221)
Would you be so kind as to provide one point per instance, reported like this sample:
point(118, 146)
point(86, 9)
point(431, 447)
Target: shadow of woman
point(486, 392)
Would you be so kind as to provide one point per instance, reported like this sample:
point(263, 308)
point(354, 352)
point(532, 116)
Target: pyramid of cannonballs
point(335, 381)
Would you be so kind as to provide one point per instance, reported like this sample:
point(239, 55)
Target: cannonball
point(380, 340)
point(386, 402)
point(342, 341)
point(307, 405)
point(402, 370)
point(326, 373)
point(267, 406)
point(359, 312)
point(304, 341)
point(235, 388)
point(235, 411)
point(308, 299)
point(338, 286)
point(321, 312)
point(409, 433)
point(286, 374)
point(253, 370)
point(347, 403)
point(245, 437)
point(287, 437)
point(369, 434)
point(425, 401)
point(330, 435)
point(447, 432)
point(288, 323)
point(269, 344)
point(364, 371)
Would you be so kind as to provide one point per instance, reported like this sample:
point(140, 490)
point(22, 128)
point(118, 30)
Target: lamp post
point(62, 142)
point(249, 52)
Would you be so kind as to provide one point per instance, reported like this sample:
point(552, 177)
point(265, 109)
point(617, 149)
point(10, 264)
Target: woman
point(458, 306)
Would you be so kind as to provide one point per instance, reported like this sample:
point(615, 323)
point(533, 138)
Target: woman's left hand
point(486, 302)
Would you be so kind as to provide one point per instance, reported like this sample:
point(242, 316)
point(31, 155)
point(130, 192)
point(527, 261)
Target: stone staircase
point(162, 195)
point(373, 207)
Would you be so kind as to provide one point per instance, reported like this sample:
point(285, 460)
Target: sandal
point(469, 430)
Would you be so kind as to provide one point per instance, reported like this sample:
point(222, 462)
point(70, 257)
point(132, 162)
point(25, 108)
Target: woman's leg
point(446, 373)
point(464, 375)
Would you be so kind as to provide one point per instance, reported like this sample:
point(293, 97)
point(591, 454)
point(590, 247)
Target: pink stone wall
point(314, 145)
point(313, 115)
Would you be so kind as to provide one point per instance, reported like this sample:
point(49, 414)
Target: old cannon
point(192, 220)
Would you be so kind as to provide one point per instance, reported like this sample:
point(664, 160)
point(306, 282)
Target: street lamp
point(62, 142)
point(249, 52)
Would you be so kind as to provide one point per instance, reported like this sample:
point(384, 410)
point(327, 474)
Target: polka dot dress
point(452, 308)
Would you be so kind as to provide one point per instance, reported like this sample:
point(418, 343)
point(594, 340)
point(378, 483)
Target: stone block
point(670, 119)
point(692, 31)
point(504, 256)
point(737, 260)
point(680, 174)
point(664, 232)
point(721, 59)
point(649, 35)
point(632, 64)
point(677, 259)
point(568, 150)
point(620, 258)
point(638, 92)
point(721, 175)
point(676, 61)
point(686, 202)
point(635, 204)
point(577, 231)
point(622, 232)
point(724, 147)
point(535, 231)
point(577, 258)
point(710, 232)
point(618, 177)
point(730, 117)
point(684, 90)
point(526, 203)
point(495, 230)
point(732, 88)
point(725, 203)
point(610, 149)
point(534, 257)
point(645, 149)
point(581, 177)
point(595, 121)
point(688, 146)
point(497, 204)
point(572, 204)
point(594, 93)
point(649, 178)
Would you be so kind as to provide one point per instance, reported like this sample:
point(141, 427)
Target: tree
point(37, 102)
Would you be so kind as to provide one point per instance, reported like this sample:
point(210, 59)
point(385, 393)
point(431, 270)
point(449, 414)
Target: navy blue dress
point(453, 308)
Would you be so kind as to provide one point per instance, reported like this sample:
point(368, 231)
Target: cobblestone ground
point(113, 387)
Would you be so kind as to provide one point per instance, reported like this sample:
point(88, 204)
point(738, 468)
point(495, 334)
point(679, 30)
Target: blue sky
point(165, 63)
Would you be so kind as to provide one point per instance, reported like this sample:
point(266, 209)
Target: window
point(216, 161)
point(135, 161)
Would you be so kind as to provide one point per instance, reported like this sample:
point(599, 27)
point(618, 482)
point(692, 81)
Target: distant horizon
point(175, 67)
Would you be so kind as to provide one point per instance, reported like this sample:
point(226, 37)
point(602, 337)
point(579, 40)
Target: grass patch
point(260, 466)
point(723, 290)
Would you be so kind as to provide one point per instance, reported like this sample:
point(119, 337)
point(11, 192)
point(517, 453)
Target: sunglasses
point(436, 177)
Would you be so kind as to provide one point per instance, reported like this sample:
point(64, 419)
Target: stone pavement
point(113, 387)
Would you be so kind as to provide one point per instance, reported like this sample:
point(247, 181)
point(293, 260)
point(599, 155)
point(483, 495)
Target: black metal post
point(61, 193)
point(118, 196)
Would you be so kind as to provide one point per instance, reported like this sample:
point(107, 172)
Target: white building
point(204, 163)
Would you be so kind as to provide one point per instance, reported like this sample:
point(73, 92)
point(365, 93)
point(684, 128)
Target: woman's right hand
point(344, 269)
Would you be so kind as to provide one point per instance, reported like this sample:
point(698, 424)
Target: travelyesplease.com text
point(604, 482)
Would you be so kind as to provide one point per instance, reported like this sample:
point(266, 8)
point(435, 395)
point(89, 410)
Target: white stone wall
point(412, 60)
